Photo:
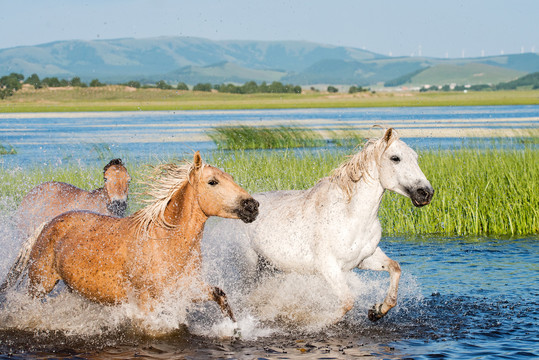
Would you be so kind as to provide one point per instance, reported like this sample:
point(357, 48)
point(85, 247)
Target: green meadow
point(120, 98)
point(478, 192)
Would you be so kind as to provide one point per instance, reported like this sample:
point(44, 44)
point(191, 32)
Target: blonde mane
point(164, 181)
point(357, 166)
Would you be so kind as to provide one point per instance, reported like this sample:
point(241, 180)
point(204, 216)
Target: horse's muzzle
point(421, 196)
point(117, 207)
point(248, 210)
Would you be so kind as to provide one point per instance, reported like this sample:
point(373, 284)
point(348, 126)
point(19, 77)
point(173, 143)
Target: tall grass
point(16, 182)
point(478, 192)
point(251, 137)
point(240, 137)
point(10, 150)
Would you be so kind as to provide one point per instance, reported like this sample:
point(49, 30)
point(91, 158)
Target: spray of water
point(273, 304)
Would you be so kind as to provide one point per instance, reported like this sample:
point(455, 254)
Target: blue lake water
point(459, 298)
point(80, 138)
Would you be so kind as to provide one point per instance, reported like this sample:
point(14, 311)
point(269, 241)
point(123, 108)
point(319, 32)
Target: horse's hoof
point(375, 313)
point(237, 334)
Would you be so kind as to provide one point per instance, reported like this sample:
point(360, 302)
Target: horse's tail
point(21, 263)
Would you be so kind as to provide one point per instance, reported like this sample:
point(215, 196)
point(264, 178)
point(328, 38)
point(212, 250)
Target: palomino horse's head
point(399, 172)
point(116, 186)
point(219, 195)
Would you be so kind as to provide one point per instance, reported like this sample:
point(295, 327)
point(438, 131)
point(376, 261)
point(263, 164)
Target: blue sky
point(391, 27)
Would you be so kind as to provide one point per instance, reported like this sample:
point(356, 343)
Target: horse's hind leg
point(379, 261)
point(42, 277)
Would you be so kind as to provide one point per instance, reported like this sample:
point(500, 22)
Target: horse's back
point(50, 199)
point(291, 206)
point(285, 231)
point(299, 230)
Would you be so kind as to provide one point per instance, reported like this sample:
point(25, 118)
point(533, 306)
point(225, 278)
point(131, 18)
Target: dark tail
point(21, 263)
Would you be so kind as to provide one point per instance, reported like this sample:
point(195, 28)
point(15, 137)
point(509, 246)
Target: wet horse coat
point(50, 199)
point(111, 260)
point(333, 227)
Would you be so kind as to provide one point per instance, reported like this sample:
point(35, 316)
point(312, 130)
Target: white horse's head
point(399, 171)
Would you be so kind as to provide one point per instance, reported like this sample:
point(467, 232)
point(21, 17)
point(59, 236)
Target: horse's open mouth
point(248, 210)
point(421, 196)
point(420, 204)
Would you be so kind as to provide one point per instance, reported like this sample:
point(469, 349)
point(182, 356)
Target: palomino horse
point(110, 260)
point(333, 227)
point(48, 200)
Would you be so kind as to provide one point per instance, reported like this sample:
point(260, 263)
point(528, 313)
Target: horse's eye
point(395, 158)
point(213, 182)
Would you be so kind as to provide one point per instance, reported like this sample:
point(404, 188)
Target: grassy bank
point(478, 192)
point(118, 98)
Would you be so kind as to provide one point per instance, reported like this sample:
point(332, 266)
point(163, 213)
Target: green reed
point(259, 171)
point(251, 137)
point(10, 150)
point(478, 192)
point(245, 137)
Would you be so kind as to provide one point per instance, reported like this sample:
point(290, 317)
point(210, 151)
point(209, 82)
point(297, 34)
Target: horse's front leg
point(379, 261)
point(218, 295)
point(336, 278)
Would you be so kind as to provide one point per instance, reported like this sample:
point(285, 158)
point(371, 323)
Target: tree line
point(14, 81)
point(529, 81)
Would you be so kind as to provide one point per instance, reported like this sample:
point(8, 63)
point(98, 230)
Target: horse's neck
point(368, 195)
point(366, 198)
point(186, 216)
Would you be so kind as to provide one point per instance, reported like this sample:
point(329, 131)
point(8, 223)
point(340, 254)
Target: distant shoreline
point(117, 98)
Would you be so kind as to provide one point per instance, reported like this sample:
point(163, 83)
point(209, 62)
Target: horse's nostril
point(249, 204)
point(422, 192)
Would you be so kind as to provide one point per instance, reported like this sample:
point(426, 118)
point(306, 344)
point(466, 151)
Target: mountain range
point(196, 60)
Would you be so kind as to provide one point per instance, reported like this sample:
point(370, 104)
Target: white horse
point(333, 227)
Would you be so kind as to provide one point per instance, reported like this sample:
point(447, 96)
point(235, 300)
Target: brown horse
point(110, 260)
point(50, 199)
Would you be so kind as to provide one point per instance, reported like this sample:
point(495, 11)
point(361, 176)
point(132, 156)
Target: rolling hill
point(468, 73)
point(194, 60)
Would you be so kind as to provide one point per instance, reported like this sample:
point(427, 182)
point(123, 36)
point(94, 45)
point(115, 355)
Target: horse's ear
point(388, 135)
point(197, 160)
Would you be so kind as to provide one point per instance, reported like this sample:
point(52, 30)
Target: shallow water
point(84, 138)
point(459, 298)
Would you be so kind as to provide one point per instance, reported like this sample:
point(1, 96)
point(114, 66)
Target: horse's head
point(219, 195)
point(116, 186)
point(399, 172)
